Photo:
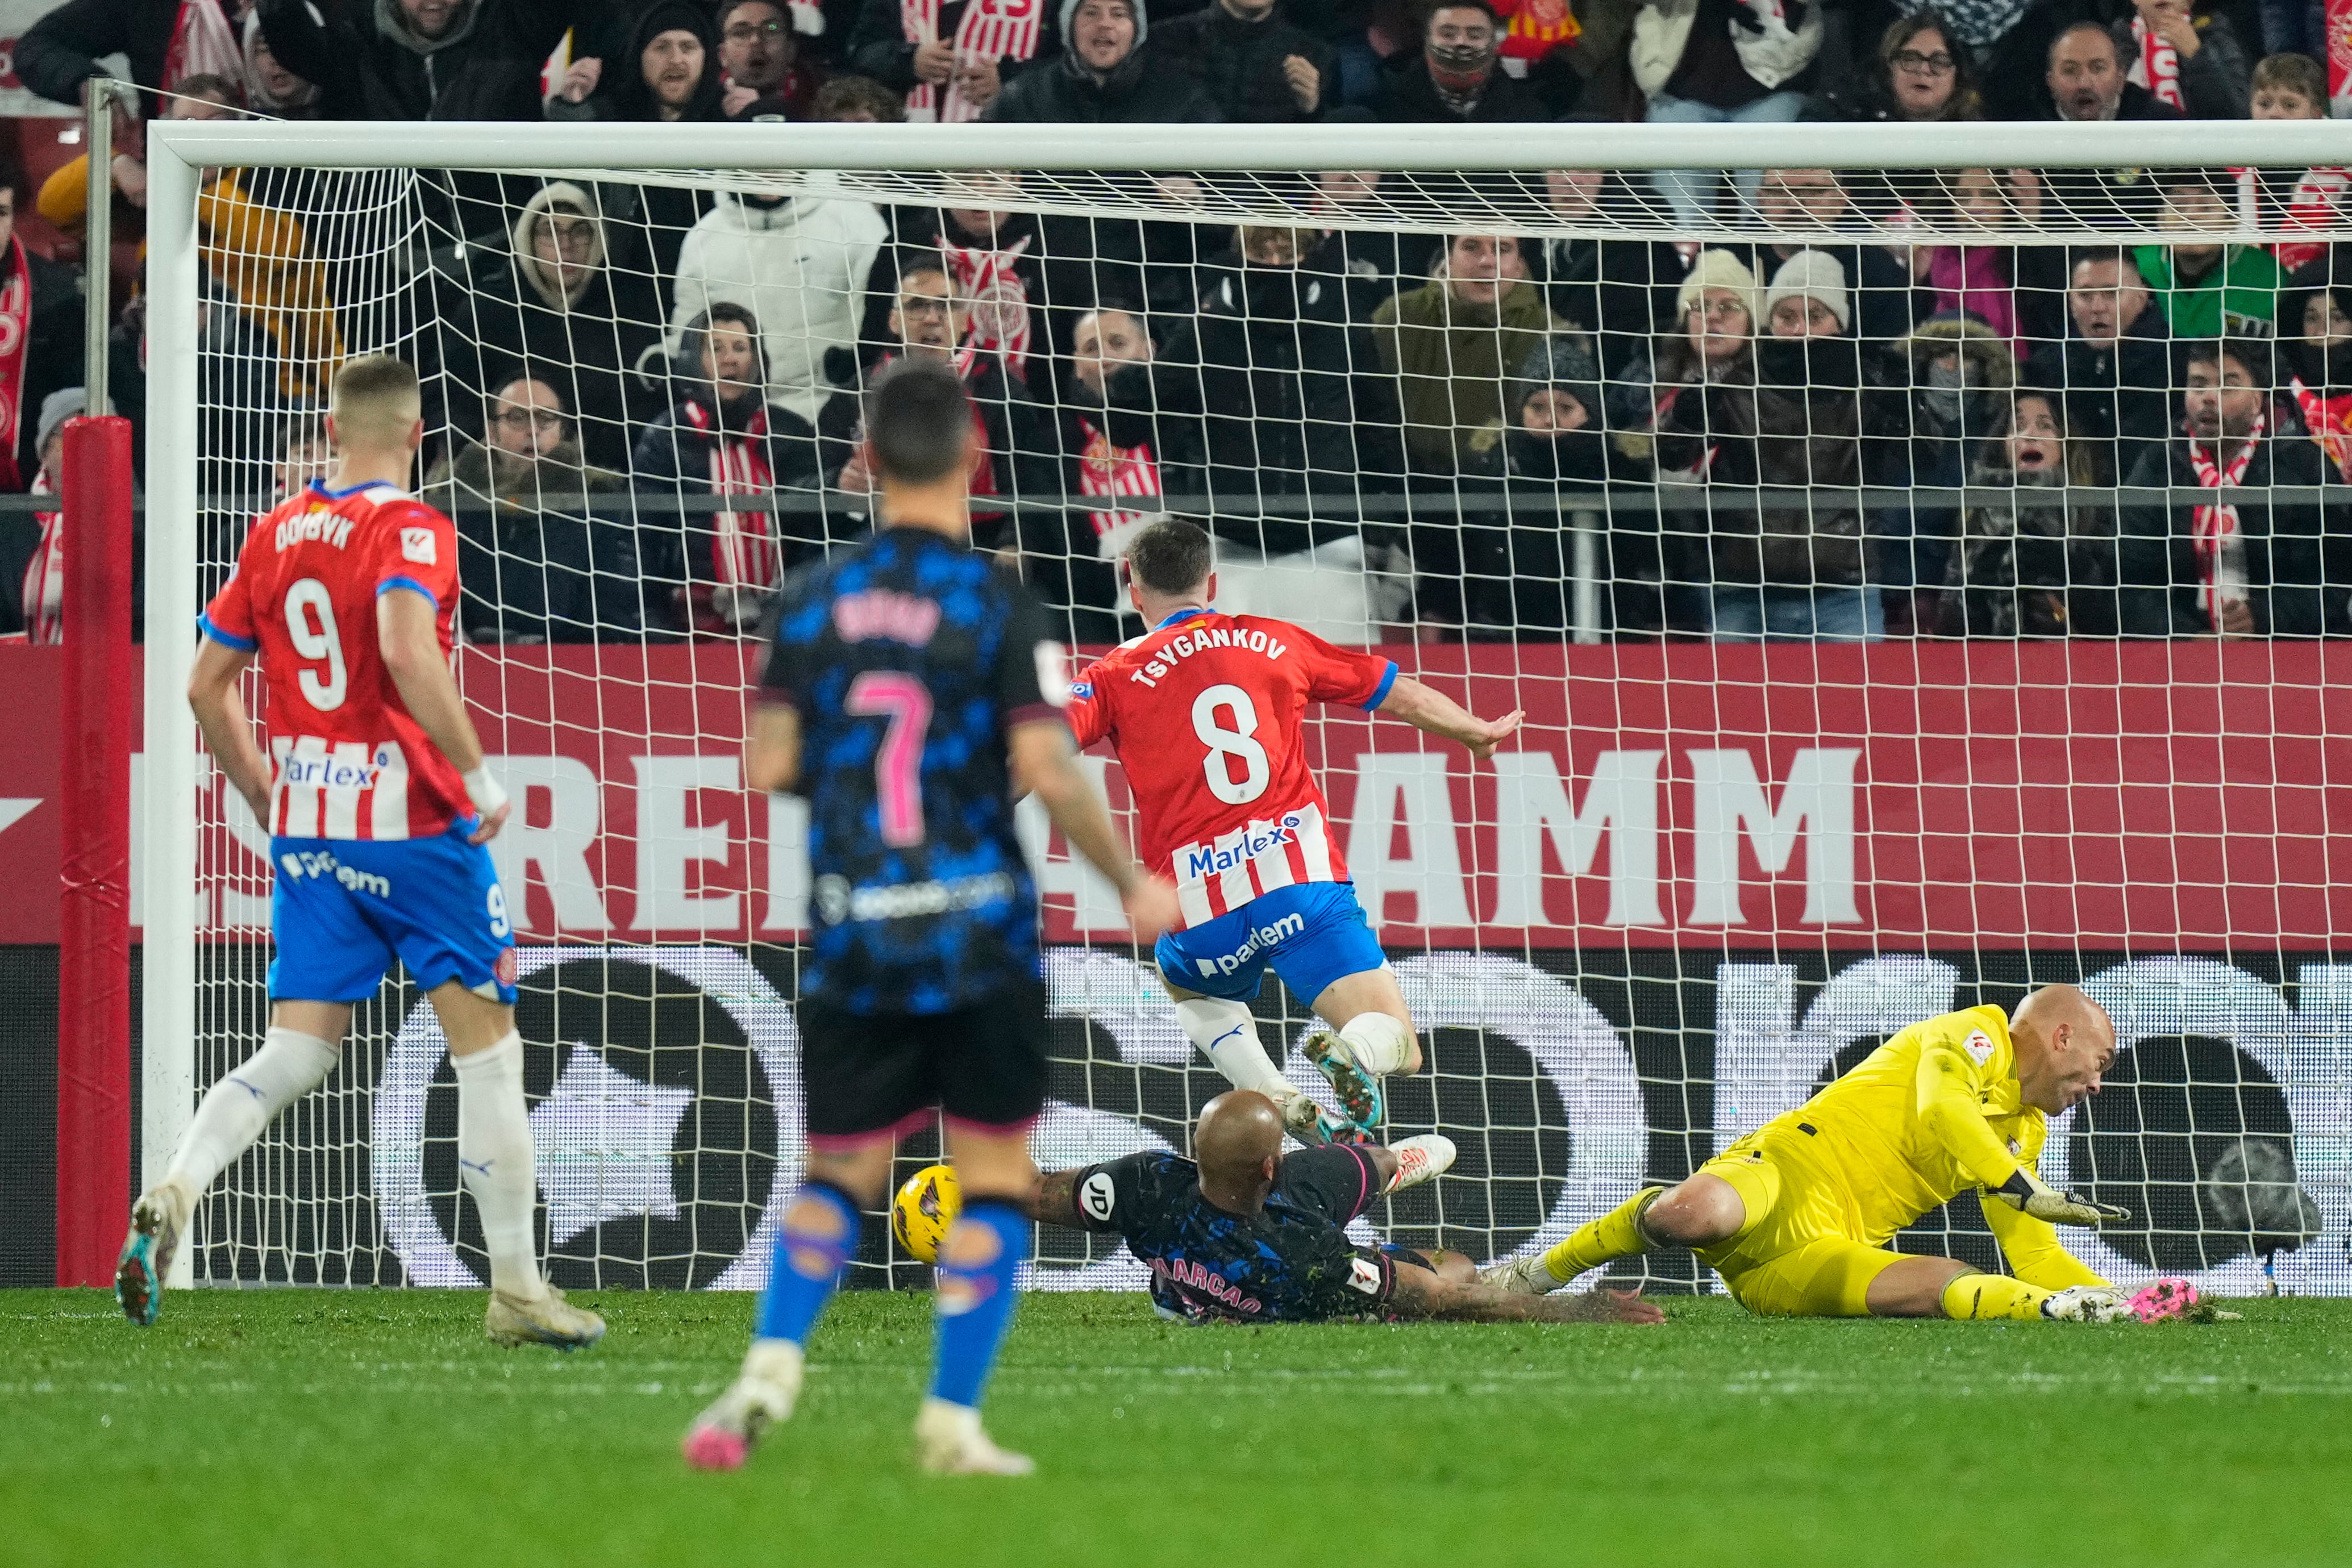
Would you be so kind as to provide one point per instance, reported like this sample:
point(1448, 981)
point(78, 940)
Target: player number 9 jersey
point(349, 760)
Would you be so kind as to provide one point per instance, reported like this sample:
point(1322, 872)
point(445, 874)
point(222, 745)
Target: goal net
point(1914, 561)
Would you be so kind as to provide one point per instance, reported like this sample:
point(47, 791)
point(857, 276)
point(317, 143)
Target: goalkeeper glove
point(2024, 1190)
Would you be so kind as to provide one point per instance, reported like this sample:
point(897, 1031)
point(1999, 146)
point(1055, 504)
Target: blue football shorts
point(1313, 932)
point(344, 909)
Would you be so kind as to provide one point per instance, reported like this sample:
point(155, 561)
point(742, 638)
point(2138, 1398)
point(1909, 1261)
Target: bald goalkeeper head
point(2065, 1043)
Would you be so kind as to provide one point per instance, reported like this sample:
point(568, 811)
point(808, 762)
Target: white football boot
point(948, 1439)
point(763, 1396)
point(1422, 1158)
point(550, 1320)
point(2087, 1304)
point(157, 1220)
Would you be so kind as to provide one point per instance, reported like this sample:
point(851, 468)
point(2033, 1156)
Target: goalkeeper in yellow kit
point(1797, 1215)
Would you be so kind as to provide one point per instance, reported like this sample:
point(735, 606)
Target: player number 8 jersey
point(1207, 712)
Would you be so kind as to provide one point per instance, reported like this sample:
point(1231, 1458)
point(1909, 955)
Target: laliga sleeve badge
point(416, 545)
point(1980, 1047)
point(1364, 1275)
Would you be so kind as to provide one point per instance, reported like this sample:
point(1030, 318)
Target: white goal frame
point(179, 150)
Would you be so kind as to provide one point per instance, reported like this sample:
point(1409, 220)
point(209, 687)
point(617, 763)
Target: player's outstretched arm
point(410, 641)
point(2034, 1252)
point(229, 734)
point(1436, 713)
point(1419, 1293)
point(1044, 765)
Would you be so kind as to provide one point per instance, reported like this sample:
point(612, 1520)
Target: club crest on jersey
point(1196, 861)
point(416, 545)
point(1980, 1047)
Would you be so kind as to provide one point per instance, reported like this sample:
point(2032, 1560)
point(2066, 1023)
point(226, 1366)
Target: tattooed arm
point(1418, 1293)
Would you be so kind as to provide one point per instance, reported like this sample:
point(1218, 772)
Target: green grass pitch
point(316, 1426)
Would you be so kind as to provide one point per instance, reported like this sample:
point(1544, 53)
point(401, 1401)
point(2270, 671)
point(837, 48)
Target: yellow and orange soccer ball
point(924, 1209)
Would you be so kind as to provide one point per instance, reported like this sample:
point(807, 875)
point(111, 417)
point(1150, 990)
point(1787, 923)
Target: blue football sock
point(819, 1233)
point(975, 1295)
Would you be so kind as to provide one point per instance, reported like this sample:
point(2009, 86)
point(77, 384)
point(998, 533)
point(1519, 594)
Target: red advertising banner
point(1929, 795)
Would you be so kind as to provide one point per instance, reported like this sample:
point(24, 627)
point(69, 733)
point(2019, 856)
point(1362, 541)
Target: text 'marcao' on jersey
point(1205, 712)
point(350, 761)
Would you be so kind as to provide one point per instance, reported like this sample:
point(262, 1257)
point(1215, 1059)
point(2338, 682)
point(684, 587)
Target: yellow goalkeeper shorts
point(1793, 1258)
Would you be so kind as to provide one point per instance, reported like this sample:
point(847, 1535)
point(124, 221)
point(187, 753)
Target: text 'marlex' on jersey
point(1232, 812)
point(351, 762)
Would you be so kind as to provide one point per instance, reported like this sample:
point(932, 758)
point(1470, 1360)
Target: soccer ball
point(924, 1209)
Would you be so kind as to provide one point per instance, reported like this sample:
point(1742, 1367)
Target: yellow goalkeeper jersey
point(1934, 1112)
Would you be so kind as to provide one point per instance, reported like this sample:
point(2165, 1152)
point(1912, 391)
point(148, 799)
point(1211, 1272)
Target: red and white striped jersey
point(1206, 713)
point(351, 762)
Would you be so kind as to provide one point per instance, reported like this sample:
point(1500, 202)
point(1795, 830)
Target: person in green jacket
point(1453, 341)
point(2208, 289)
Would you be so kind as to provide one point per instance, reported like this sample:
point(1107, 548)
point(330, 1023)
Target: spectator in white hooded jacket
point(800, 265)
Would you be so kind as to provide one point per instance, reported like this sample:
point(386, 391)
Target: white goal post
point(930, 162)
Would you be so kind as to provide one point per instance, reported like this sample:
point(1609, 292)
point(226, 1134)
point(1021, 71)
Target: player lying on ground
point(910, 683)
point(1244, 1231)
point(1797, 1215)
point(378, 808)
point(1205, 711)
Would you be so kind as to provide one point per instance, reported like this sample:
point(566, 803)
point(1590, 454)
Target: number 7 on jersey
point(906, 702)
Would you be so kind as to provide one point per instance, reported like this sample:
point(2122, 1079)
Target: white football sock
point(496, 1162)
point(1377, 1042)
point(1226, 1033)
point(288, 1065)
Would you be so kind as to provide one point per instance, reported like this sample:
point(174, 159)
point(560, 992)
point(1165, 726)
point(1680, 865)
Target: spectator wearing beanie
point(1103, 76)
point(1809, 298)
point(668, 74)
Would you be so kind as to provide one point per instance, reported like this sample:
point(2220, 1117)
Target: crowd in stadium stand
point(1722, 435)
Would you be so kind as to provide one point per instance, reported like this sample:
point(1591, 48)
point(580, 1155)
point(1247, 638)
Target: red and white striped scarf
point(2155, 65)
point(742, 544)
point(990, 30)
point(2340, 57)
point(15, 329)
point(1108, 469)
point(2212, 529)
point(2314, 205)
point(202, 45)
point(2329, 420)
point(44, 575)
point(999, 300)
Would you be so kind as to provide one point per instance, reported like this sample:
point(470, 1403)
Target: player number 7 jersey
point(350, 761)
point(1207, 713)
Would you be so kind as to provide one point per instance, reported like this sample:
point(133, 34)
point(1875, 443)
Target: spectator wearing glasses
point(1922, 76)
point(2204, 285)
point(758, 58)
point(714, 572)
point(932, 319)
point(1708, 62)
point(2250, 568)
point(1457, 78)
point(2113, 366)
point(2033, 571)
point(531, 570)
point(2196, 64)
point(553, 301)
